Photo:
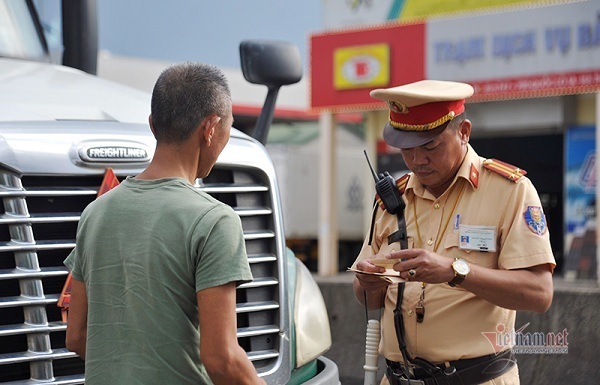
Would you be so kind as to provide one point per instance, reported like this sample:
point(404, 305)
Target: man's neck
point(170, 161)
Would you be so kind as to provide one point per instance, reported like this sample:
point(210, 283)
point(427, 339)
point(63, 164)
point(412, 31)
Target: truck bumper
point(327, 373)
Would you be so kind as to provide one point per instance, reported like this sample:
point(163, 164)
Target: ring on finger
point(412, 273)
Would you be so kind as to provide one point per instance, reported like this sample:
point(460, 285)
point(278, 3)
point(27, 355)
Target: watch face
point(461, 267)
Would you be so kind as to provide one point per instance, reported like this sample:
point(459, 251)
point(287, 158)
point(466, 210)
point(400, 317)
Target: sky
point(203, 30)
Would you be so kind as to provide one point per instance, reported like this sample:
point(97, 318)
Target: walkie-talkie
point(386, 188)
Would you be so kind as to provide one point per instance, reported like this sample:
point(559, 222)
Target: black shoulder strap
point(432, 369)
point(373, 222)
point(400, 235)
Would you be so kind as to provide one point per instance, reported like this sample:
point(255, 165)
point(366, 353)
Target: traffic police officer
point(478, 248)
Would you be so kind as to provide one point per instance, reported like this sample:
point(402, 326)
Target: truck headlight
point(313, 333)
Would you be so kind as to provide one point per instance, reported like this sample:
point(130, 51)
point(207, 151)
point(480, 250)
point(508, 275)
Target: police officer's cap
point(419, 111)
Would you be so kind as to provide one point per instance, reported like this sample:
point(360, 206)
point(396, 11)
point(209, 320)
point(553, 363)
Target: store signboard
point(346, 65)
point(351, 13)
point(537, 51)
point(361, 66)
point(580, 202)
point(526, 52)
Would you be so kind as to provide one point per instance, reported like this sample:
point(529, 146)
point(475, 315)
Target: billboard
point(527, 52)
point(538, 51)
point(351, 13)
point(580, 203)
point(392, 54)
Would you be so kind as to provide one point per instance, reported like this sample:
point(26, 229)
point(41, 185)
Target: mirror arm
point(265, 119)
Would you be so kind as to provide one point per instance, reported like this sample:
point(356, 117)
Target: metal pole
point(328, 230)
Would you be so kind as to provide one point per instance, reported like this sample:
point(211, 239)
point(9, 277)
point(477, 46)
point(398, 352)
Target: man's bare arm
point(77, 321)
point(225, 360)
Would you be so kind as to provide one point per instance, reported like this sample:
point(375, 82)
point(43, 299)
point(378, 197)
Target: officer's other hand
point(426, 266)
point(370, 282)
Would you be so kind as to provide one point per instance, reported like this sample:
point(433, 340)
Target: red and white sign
point(406, 64)
point(365, 66)
point(529, 52)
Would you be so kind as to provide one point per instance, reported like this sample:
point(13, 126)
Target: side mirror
point(273, 64)
point(270, 63)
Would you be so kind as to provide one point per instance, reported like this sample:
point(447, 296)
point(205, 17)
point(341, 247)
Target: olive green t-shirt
point(143, 250)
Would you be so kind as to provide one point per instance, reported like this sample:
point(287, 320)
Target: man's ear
point(151, 125)
point(209, 126)
point(465, 131)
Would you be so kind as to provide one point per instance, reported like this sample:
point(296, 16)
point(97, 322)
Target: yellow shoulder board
point(508, 171)
point(400, 184)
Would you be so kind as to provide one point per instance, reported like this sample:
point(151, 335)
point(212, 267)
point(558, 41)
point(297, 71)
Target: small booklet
point(389, 275)
point(384, 262)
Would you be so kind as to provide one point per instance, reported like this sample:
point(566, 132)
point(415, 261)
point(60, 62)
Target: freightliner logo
point(114, 154)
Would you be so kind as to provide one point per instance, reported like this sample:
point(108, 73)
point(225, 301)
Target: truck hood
point(62, 147)
point(32, 91)
point(50, 115)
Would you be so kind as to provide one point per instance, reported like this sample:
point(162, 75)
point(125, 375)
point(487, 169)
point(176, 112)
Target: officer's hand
point(370, 282)
point(423, 266)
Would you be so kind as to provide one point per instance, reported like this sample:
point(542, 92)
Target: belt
point(464, 372)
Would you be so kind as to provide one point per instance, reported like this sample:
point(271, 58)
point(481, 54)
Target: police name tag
point(480, 238)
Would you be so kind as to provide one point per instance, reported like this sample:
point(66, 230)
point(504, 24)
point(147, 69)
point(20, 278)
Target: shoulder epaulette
point(400, 184)
point(508, 171)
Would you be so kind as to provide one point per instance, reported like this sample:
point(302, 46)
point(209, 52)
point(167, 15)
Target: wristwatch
point(461, 269)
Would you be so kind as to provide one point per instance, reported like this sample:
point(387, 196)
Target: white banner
point(521, 43)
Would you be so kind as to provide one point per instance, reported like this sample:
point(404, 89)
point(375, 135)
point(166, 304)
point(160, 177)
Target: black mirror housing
point(270, 63)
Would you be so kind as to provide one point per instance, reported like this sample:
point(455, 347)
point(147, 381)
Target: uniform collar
point(470, 168)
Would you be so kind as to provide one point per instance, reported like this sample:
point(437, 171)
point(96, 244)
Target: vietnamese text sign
point(528, 52)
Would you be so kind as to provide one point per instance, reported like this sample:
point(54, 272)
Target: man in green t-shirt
point(157, 261)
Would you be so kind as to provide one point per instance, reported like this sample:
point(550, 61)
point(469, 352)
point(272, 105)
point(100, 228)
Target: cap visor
point(409, 139)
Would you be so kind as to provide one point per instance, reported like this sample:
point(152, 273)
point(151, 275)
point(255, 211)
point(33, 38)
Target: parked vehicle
point(60, 129)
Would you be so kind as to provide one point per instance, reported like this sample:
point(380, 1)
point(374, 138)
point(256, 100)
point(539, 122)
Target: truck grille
point(38, 223)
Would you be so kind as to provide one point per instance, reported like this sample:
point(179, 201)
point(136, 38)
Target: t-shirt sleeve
point(525, 239)
point(221, 251)
point(72, 263)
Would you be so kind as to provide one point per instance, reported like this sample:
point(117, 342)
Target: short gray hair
point(184, 95)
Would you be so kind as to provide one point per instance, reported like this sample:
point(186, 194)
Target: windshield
point(19, 36)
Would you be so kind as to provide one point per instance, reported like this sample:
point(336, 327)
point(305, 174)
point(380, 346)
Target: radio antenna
point(371, 167)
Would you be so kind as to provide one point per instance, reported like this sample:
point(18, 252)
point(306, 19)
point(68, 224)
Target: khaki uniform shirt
point(455, 319)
